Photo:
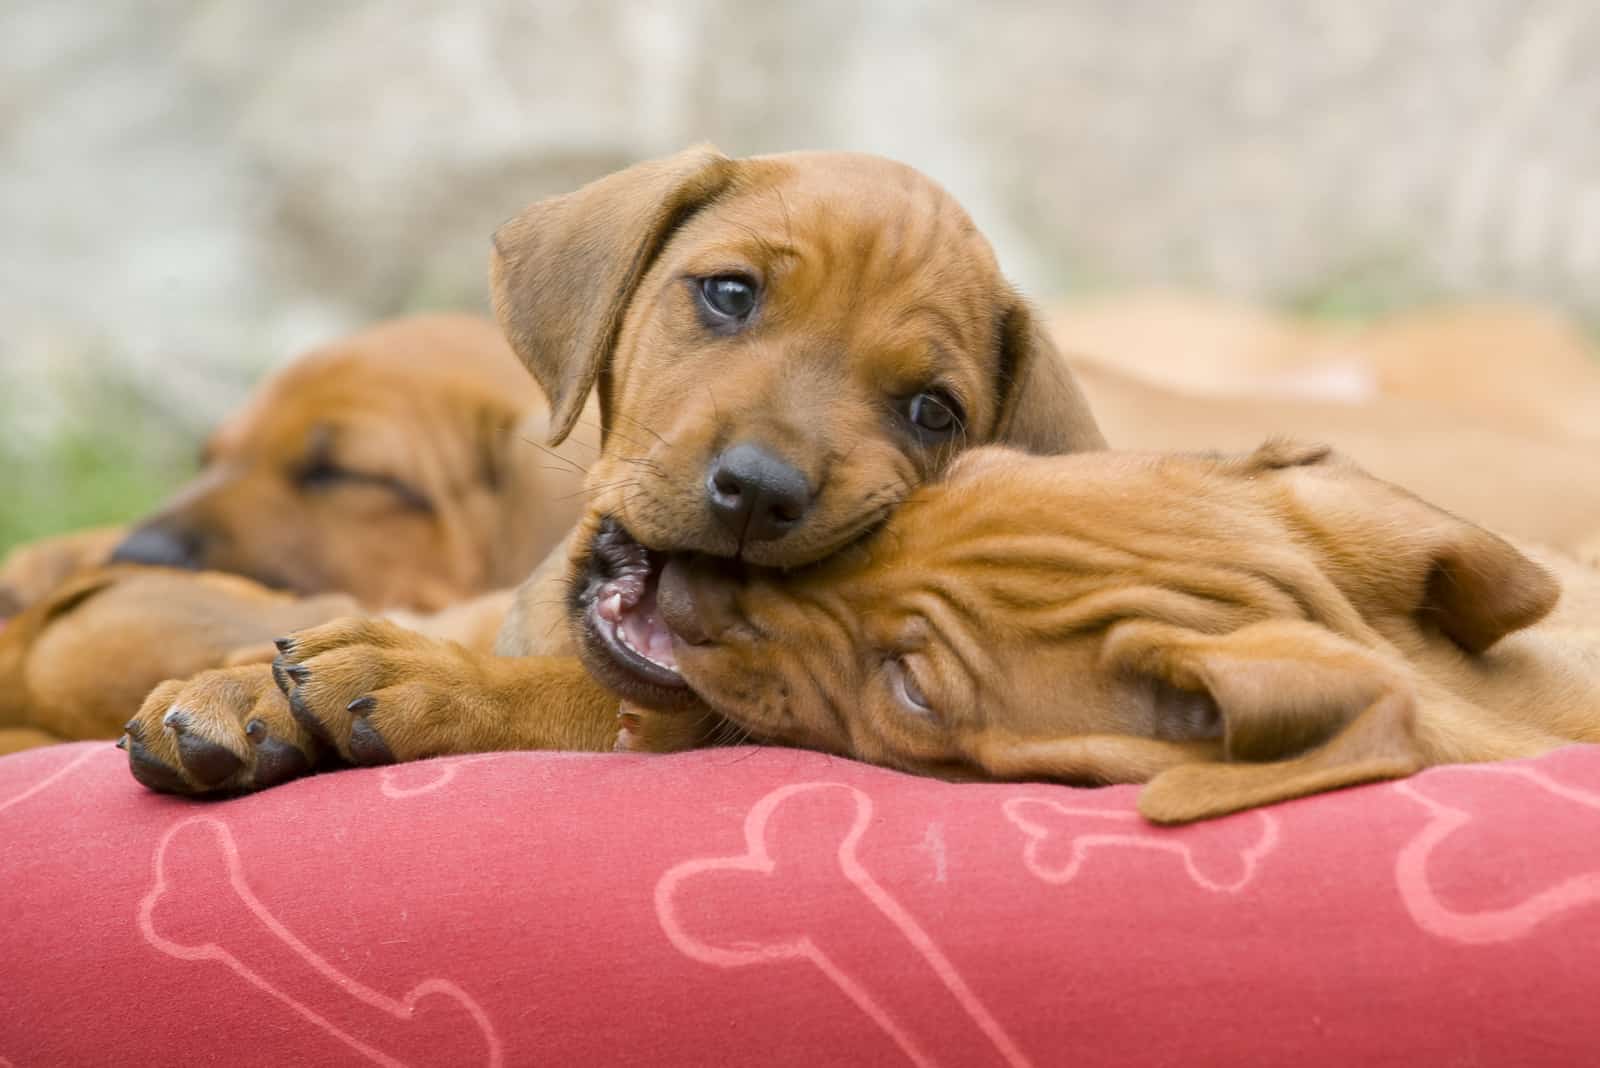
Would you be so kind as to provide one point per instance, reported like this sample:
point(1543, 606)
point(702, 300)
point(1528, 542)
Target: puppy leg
point(378, 693)
point(223, 731)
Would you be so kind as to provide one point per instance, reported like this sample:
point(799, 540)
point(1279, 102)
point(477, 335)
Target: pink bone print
point(1222, 857)
point(59, 773)
point(1416, 867)
point(245, 937)
point(894, 982)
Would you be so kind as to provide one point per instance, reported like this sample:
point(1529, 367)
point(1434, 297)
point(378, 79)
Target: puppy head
point(782, 347)
point(1104, 618)
point(390, 466)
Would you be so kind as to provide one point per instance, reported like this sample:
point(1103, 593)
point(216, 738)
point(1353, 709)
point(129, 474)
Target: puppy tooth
point(611, 608)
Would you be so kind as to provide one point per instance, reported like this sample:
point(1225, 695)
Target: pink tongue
point(645, 630)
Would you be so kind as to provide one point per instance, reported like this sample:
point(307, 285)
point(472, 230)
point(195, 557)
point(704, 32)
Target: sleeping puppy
point(77, 660)
point(398, 466)
point(1234, 631)
point(782, 349)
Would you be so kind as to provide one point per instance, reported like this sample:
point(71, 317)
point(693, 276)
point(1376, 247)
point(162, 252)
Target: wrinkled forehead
point(886, 227)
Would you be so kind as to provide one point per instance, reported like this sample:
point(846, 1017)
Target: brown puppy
point(30, 571)
point(1234, 630)
point(1506, 366)
point(398, 466)
point(75, 663)
point(782, 348)
point(1537, 488)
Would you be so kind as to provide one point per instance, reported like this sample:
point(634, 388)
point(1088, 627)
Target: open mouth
point(620, 614)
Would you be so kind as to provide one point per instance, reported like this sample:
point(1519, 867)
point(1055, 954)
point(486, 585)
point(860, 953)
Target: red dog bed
point(772, 907)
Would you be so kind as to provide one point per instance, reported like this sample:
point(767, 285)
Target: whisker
point(547, 450)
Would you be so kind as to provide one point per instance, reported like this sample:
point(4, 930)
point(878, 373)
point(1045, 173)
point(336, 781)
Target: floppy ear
point(1302, 711)
point(1041, 408)
point(1479, 588)
point(562, 273)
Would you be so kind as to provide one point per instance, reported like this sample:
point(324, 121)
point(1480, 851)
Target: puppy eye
point(903, 684)
point(729, 297)
point(322, 475)
point(935, 412)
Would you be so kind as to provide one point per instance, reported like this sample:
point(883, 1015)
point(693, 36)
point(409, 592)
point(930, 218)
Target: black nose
point(161, 545)
point(755, 494)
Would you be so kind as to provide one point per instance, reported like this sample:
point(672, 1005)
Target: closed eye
point(907, 690)
point(326, 476)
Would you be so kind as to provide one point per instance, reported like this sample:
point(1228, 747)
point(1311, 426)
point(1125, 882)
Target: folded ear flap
point(1093, 759)
point(1303, 711)
point(1480, 588)
point(562, 273)
point(1042, 410)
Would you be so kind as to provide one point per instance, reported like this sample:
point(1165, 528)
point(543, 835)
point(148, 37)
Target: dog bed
point(777, 907)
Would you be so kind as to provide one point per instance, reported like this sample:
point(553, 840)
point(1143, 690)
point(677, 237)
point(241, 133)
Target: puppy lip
point(609, 637)
point(619, 609)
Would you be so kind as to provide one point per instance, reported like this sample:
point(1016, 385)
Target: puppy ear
point(1479, 588)
point(1041, 408)
point(1302, 711)
point(562, 273)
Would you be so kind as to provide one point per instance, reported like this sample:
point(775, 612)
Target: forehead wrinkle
point(838, 617)
point(946, 611)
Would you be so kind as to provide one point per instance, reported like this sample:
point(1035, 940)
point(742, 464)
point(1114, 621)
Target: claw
point(298, 672)
point(176, 720)
point(285, 645)
point(367, 746)
point(133, 730)
point(280, 675)
point(362, 706)
point(307, 719)
point(122, 743)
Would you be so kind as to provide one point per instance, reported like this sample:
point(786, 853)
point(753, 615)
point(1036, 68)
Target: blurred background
point(192, 191)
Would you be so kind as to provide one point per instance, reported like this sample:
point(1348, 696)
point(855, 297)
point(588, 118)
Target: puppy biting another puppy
point(782, 349)
point(1233, 630)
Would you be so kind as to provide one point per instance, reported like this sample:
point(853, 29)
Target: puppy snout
point(756, 494)
point(160, 544)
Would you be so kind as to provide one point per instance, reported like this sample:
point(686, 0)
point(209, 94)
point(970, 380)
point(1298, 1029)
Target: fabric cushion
point(775, 907)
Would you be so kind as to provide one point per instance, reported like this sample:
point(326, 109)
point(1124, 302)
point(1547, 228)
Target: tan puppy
point(782, 347)
point(1507, 366)
point(75, 663)
point(30, 571)
point(1236, 631)
point(1537, 488)
point(400, 466)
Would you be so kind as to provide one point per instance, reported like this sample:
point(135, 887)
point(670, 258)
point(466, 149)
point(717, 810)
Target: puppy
point(399, 466)
point(1235, 631)
point(1506, 366)
point(1538, 488)
point(30, 571)
point(782, 348)
point(75, 662)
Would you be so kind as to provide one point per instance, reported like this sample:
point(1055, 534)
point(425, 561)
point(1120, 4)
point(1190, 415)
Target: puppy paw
point(378, 693)
point(223, 731)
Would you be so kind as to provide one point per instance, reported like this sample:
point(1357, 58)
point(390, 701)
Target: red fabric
point(772, 907)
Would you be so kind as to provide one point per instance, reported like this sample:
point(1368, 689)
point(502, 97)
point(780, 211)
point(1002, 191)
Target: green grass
point(112, 458)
